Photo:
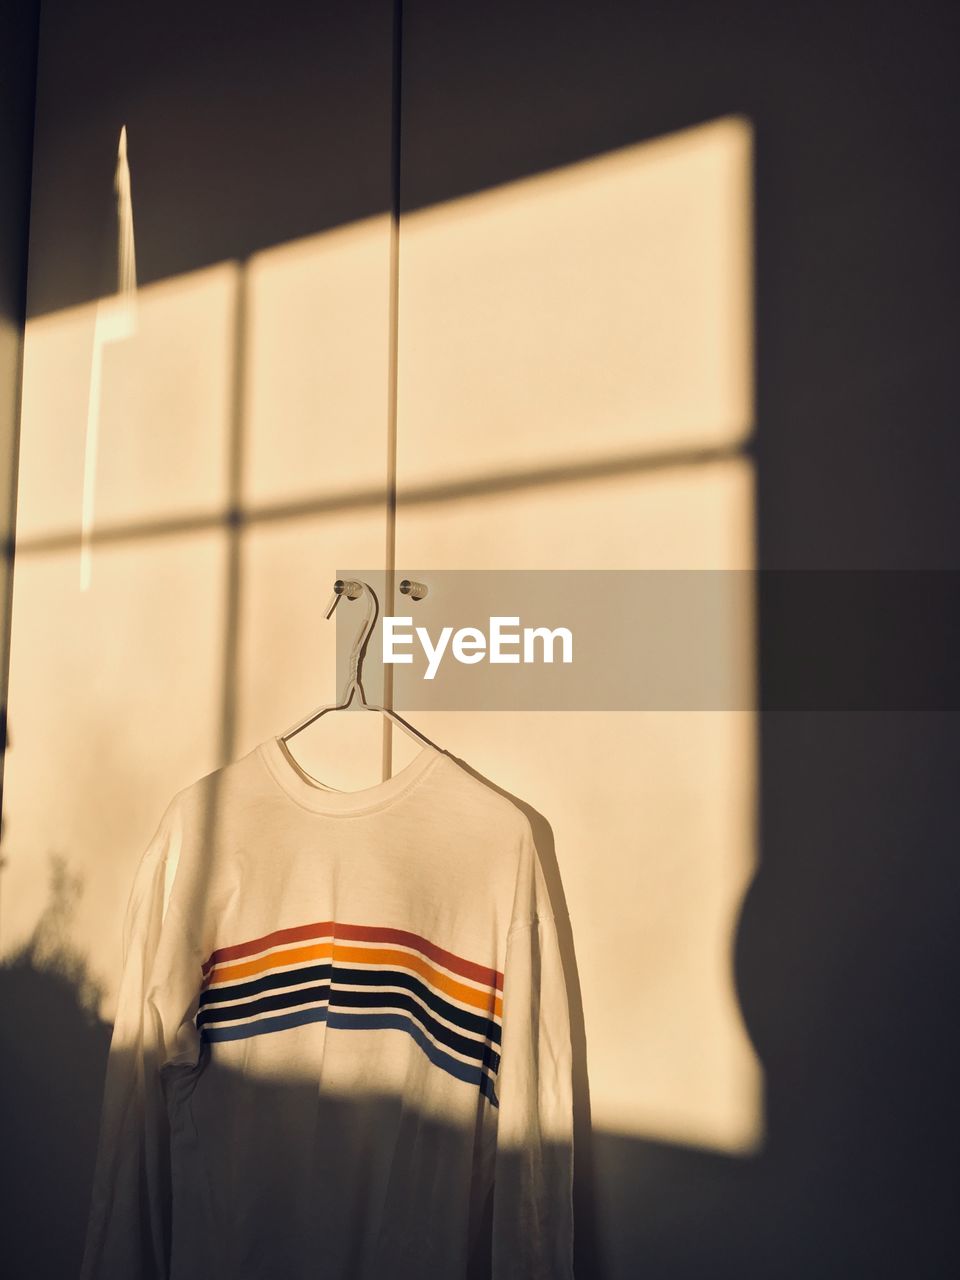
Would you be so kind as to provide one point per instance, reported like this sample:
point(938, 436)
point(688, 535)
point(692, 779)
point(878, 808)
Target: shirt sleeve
point(533, 1167)
point(128, 1227)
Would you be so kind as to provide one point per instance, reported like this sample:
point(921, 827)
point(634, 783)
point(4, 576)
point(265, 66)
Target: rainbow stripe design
point(359, 977)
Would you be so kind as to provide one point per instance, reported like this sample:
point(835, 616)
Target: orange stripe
point(360, 955)
point(359, 933)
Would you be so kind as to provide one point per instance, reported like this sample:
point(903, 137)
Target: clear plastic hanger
point(352, 589)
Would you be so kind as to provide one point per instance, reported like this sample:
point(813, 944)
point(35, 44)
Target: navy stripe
point(360, 1021)
point(243, 1031)
point(476, 1022)
point(486, 1054)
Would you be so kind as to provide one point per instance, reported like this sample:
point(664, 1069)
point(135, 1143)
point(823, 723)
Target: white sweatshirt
point(342, 1043)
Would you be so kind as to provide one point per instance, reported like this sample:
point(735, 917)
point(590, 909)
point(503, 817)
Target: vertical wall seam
point(390, 549)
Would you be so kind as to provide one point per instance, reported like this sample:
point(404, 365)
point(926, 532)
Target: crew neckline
point(319, 798)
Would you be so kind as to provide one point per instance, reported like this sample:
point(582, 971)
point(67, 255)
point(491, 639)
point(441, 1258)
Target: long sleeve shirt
point(342, 1044)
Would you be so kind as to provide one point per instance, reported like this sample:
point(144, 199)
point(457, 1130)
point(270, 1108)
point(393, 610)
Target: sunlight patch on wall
point(602, 308)
point(600, 312)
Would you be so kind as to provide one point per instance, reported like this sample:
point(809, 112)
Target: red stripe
point(358, 933)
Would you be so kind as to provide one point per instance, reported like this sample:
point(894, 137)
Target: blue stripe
point(242, 1031)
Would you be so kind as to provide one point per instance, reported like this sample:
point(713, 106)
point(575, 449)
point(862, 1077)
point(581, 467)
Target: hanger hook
point(352, 589)
point(348, 587)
